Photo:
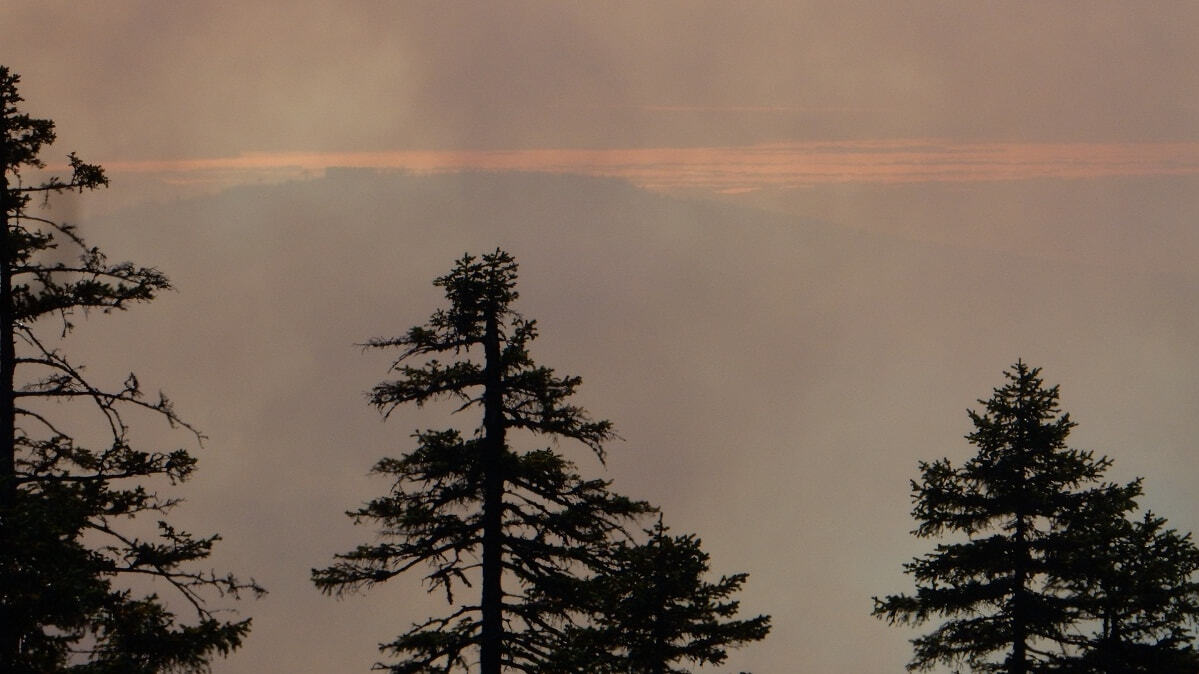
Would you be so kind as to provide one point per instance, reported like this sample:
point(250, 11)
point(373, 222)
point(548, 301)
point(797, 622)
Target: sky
point(786, 244)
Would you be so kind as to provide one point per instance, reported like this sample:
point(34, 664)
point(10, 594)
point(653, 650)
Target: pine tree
point(68, 554)
point(999, 590)
point(1131, 583)
point(651, 610)
point(475, 508)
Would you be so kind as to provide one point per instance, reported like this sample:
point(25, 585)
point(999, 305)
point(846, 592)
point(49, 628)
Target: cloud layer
point(145, 80)
point(734, 169)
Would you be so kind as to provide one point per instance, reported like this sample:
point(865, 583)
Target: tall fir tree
point(475, 508)
point(650, 610)
point(1015, 501)
point(68, 551)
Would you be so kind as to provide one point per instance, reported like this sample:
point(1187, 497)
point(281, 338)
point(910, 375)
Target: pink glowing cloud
point(737, 169)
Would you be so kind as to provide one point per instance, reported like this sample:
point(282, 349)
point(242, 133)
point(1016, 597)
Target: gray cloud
point(136, 80)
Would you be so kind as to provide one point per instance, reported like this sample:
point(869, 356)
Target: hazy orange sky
point(718, 95)
point(785, 243)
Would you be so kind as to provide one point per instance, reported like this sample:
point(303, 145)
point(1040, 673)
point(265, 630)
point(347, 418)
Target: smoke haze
point(776, 355)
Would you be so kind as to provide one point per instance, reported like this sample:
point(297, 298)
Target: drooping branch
point(162, 561)
point(69, 382)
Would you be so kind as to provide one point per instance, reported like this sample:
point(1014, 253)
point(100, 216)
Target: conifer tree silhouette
point(1131, 583)
point(651, 611)
point(66, 548)
point(1051, 576)
point(474, 508)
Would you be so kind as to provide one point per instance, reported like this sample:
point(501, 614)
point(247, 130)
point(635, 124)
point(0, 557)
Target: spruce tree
point(70, 554)
point(476, 508)
point(999, 590)
point(651, 611)
point(1132, 585)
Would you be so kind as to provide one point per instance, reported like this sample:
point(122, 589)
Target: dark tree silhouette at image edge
point(474, 509)
point(69, 556)
point(1052, 575)
point(1132, 584)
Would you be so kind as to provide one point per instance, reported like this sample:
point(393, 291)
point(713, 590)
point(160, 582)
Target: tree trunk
point(661, 642)
point(9, 639)
point(491, 645)
point(1019, 661)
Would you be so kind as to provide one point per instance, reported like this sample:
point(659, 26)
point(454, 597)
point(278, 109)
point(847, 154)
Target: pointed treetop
point(477, 288)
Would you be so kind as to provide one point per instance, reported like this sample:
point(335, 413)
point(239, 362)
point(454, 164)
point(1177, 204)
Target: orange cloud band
point(732, 169)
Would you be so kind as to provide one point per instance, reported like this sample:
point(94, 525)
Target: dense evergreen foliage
point(1132, 586)
point(652, 611)
point(474, 508)
point(1051, 576)
point(69, 550)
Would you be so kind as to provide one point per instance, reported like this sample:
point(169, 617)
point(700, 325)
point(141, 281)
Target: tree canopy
point(476, 508)
point(652, 611)
point(1051, 576)
point(1132, 587)
point(71, 554)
